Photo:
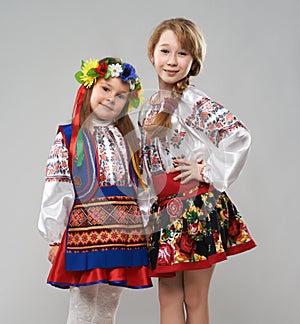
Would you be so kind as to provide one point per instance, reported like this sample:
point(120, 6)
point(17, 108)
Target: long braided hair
point(191, 39)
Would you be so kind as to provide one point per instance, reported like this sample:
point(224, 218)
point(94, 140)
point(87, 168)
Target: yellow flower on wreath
point(86, 67)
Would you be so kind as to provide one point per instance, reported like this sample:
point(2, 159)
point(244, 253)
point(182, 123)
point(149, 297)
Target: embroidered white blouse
point(201, 130)
point(58, 196)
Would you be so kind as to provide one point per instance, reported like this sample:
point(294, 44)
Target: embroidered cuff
point(54, 244)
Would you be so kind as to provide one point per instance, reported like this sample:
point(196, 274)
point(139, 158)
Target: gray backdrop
point(252, 68)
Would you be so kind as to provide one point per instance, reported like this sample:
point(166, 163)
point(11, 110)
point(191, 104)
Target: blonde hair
point(191, 38)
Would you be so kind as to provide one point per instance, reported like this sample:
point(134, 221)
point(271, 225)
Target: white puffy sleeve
point(227, 141)
point(58, 196)
point(146, 194)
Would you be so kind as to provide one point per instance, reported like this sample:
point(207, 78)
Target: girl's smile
point(171, 72)
point(171, 62)
point(109, 97)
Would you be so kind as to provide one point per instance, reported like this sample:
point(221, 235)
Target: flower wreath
point(91, 70)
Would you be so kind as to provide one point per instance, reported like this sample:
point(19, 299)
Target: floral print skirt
point(195, 233)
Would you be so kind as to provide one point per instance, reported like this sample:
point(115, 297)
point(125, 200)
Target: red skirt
point(130, 277)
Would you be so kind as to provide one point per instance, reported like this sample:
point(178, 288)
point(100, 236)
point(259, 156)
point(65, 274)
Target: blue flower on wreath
point(128, 72)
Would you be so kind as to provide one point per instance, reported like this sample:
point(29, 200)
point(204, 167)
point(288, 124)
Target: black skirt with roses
point(195, 233)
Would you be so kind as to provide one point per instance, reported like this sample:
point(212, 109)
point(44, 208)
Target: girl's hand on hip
point(52, 253)
point(189, 170)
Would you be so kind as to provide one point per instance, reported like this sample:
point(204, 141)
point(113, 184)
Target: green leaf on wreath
point(78, 76)
point(107, 74)
point(92, 73)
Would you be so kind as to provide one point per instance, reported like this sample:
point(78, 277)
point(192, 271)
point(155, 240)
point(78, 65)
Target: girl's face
point(171, 62)
point(109, 97)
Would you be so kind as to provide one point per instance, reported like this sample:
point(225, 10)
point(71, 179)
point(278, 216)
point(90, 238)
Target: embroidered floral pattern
point(177, 138)
point(212, 119)
point(154, 160)
point(149, 145)
point(151, 114)
point(57, 168)
point(112, 156)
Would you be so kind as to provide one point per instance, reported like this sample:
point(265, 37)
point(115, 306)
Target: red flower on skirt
point(233, 229)
point(174, 207)
point(186, 244)
point(165, 254)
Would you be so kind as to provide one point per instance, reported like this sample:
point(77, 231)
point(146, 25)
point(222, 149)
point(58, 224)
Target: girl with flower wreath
point(193, 149)
point(89, 212)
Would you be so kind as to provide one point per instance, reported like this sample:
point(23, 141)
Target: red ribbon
point(76, 119)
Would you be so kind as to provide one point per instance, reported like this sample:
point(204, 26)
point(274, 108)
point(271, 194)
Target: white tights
point(95, 304)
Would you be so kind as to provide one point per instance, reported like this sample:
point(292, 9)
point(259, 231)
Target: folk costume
point(194, 225)
point(89, 205)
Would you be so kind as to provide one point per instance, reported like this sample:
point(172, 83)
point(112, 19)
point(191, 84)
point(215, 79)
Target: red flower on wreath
point(101, 69)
